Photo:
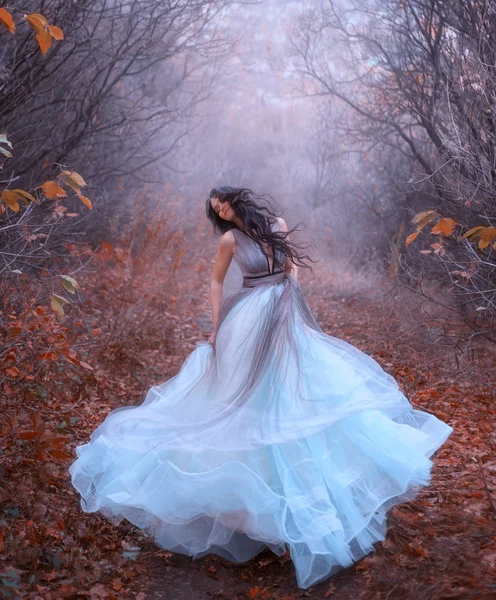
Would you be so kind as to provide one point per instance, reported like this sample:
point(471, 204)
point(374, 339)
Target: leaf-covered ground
point(442, 545)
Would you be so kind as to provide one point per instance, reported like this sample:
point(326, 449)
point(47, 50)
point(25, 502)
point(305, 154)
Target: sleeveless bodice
point(250, 257)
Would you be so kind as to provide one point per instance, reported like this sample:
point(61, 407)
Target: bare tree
point(128, 73)
point(419, 77)
point(111, 100)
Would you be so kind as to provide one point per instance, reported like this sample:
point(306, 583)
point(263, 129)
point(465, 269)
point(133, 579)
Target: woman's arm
point(223, 259)
point(289, 266)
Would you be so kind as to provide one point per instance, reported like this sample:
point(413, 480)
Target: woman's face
point(223, 209)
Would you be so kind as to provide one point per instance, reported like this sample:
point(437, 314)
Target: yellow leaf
point(421, 215)
point(68, 181)
point(474, 232)
point(60, 298)
point(488, 235)
point(56, 32)
point(52, 189)
point(411, 238)
point(69, 283)
point(57, 306)
point(444, 226)
point(426, 218)
point(23, 195)
point(10, 200)
point(76, 177)
point(7, 20)
point(86, 201)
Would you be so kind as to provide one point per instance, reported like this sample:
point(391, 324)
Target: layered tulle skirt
point(280, 436)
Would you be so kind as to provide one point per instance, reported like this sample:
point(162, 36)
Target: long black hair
point(249, 207)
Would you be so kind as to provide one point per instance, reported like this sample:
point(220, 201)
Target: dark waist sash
point(253, 280)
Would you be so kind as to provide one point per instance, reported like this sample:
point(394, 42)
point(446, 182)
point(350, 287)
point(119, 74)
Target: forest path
point(442, 545)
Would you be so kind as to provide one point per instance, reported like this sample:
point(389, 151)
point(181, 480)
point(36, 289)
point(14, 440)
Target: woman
point(272, 434)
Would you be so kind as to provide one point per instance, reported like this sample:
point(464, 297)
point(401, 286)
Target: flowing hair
point(249, 207)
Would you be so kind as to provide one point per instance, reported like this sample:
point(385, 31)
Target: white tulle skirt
point(280, 436)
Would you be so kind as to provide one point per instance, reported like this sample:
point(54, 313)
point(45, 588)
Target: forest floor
point(441, 545)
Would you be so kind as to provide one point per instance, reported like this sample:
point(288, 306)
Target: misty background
point(371, 122)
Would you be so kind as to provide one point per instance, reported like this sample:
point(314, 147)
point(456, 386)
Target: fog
point(255, 129)
point(354, 115)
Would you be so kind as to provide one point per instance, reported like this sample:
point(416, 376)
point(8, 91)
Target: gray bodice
point(250, 257)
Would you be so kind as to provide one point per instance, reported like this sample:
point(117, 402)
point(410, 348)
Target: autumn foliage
point(44, 32)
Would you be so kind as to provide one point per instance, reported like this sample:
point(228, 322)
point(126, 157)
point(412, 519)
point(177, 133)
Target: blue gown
point(280, 436)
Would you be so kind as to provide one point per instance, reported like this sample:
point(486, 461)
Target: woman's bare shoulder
point(282, 223)
point(228, 236)
point(228, 240)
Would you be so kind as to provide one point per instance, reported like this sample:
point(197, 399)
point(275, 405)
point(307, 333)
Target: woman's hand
point(211, 338)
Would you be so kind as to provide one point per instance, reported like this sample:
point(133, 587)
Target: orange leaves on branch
point(52, 189)
point(56, 32)
point(421, 219)
point(445, 226)
point(11, 197)
point(6, 20)
point(44, 40)
point(424, 218)
point(486, 235)
point(10, 200)
point(45, 33)
point(412, 237)
point(473, 233)
point(37, 21)
point(86, 201)
point(76, 182)
point(75, 178)
point(24, 195)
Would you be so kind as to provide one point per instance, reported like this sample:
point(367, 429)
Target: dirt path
point(442, 545)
